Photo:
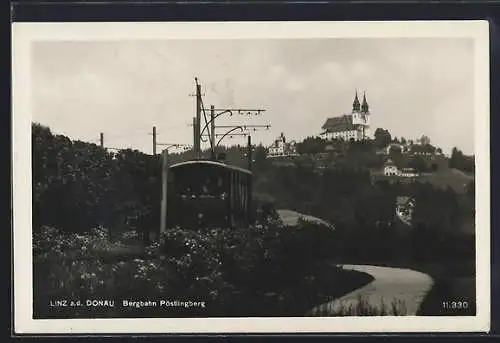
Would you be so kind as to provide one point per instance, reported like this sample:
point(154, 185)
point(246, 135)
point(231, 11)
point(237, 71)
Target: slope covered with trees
point(79, 186)
point(90, 207)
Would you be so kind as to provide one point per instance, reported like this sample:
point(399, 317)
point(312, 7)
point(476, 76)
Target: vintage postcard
point(251, 177)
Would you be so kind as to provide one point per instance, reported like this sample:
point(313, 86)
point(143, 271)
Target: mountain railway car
point(208, 194)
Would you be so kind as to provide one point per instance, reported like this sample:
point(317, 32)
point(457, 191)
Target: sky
point(414, 86)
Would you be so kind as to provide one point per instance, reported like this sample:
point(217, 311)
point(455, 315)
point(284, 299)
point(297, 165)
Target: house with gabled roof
point(281, 147)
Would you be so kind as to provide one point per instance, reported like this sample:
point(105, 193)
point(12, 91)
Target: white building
point(281, 148)
point(354, 126)
point(390, 169)
point(408, 172)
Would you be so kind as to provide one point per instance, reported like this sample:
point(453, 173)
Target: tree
point(395, 150)
point(311, 145)
point(382, 137)
point(260, 156)
point(418, 163)
point(471, 189)
point(461, 162)
point(424, 140)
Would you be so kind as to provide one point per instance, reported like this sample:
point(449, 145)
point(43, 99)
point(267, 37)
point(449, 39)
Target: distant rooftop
point(339, 124)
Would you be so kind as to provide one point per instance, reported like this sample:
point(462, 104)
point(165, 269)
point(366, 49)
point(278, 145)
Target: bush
point(232, 269)
point(77, 185)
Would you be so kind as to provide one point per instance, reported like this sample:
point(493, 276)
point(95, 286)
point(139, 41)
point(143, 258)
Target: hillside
point(91, 207)
point(448, 177)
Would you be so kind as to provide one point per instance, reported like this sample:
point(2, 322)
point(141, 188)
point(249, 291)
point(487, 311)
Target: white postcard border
point(25, 33)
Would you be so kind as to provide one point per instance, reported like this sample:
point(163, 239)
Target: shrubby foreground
point(262, 271)
point(265, 270)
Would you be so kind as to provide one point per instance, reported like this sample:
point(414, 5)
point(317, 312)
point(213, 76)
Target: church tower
point(357, 118)
point(356, 105)
point(364, 107)
point(352, 126)
point(365, 113)
point(356, 110)
point(361, 116)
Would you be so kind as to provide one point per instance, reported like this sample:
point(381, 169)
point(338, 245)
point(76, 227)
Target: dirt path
point(404, 288)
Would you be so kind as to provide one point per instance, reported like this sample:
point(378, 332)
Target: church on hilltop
point(355, 125)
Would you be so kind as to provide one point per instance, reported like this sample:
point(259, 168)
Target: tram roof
point(209, 162)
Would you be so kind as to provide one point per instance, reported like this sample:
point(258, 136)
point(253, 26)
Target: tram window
point(205, 181)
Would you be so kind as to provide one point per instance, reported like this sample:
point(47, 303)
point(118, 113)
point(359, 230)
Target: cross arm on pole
point(230, 111)
point(242, 111)
point(246, 127)
point(229, 132)
point(173, 145)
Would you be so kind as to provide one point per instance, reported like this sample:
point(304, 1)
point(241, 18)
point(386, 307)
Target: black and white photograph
point(263, 177)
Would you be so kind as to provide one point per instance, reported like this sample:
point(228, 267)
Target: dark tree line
point(382, 137)
point(462, 162)
point(77, 185)
point(311, 145)
point(363, 212)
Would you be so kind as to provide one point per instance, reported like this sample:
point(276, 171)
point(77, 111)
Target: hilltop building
point(281, 147)
point(412, 148)
point(390, 169)
point(355, 125)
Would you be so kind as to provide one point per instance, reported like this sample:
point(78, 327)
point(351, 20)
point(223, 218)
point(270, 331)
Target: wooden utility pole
point(212, 130)
point(211, 127)
point(154, 140)
point(250, 183)
point(102, 140)
point(194, 135)
point(249, 152)
point(164, 173)
point(164, 178)
point(198, 120)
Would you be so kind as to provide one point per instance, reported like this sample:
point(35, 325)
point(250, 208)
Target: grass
point(446, 176)
point(361, 307)
point(82, 247)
